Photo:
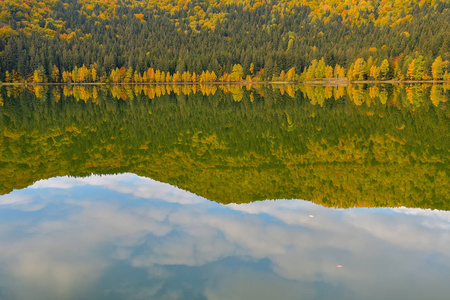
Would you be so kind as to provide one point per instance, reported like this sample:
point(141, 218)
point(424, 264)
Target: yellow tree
point(136, 77)
point(319, 72)
point(145, 77)
point(158, 76)
point(446, 76)
point(37, 77)
point(437, 68)
point(350, 73)
point(151, 75)
point(115, 76)
point(374, 72)
point(224, 77)
point(186, 77)
point(55, 74)
point(176, 77)
point(329, 72)
point(83, 74)
point(94, 74)
point(122, 72)
point(194, 77)
point(369, 64)
point(252, 68)
point(411, 68)
point(66, 77)
point(359, 69)
point(15, 77)
point(128, 75)
point(384, 69)
point(213, 76)
point(203, 77)
point(396, 70)
point(339, 72)
point(207, 76)
point(282, 75)
point(418, 71)
point(311, 71)
point(237, 73)
point(290, 74)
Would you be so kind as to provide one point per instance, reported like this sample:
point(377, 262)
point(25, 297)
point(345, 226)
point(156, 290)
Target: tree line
point(408, 68)
point(402, 96)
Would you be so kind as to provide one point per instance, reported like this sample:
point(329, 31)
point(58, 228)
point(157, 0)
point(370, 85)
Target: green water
point(360, 145)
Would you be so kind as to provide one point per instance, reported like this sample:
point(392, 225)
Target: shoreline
point(337, 82)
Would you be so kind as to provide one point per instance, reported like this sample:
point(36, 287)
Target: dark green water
point(365, 146)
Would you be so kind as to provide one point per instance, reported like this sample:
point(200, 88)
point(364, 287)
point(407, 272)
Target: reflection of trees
point(412, 95)
point(338, 146)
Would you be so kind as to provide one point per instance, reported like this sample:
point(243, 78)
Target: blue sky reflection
point(128, 237)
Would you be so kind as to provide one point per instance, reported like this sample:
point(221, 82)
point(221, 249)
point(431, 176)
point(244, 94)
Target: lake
point(225, 192)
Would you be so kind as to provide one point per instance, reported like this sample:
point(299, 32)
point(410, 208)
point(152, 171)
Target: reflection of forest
point(357, 145)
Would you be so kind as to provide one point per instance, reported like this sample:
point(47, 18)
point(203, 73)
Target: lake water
point(225, 192)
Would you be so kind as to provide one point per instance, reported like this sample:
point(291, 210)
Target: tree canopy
point(397, 39)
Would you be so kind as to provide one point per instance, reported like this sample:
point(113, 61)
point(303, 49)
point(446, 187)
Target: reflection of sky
point(127, 237)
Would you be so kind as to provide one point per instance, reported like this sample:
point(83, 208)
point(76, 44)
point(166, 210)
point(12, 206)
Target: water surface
point(148, 192)
point(348, 146)
point(128, 237)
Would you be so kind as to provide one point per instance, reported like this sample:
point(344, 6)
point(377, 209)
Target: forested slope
point(40, 40)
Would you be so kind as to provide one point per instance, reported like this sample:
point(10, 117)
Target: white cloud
point(126, 183)
point(74, 248)
point(15, 199)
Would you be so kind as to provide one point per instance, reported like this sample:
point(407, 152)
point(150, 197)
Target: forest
point(131, 41)
point(359, 145)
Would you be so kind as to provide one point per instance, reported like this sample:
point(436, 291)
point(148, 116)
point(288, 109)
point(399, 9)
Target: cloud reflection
point(90, 231)
point(125, 183)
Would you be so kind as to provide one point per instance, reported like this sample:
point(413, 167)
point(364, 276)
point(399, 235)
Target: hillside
point(40, 40)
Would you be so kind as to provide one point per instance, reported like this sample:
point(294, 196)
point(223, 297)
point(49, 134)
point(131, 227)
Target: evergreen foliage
point(263, 37)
